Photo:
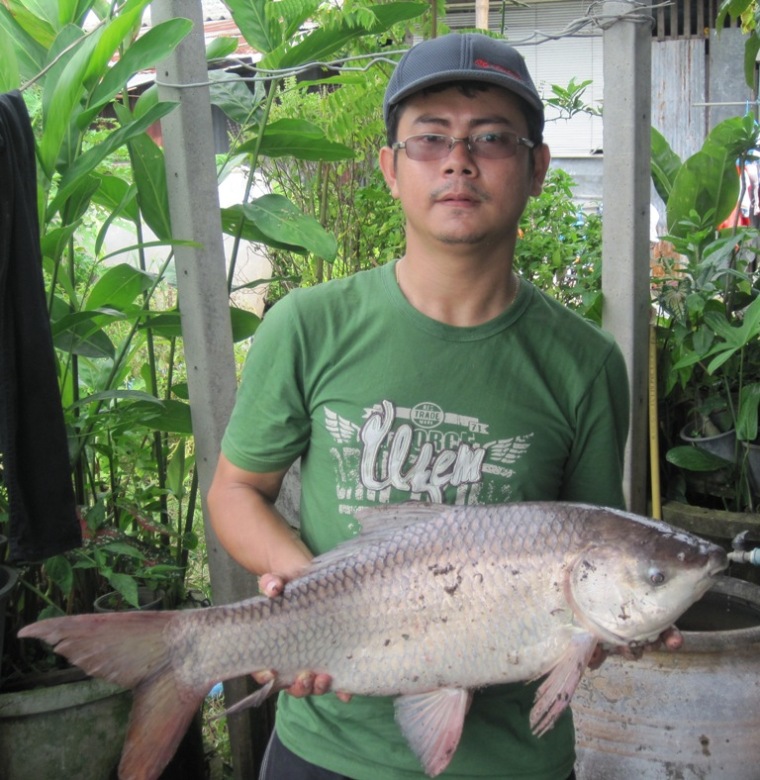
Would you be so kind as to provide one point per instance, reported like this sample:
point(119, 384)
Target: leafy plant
point(121, 386)
point(748, 12)
point(115, 324)
point(560, 246)
point(707, 301)
point(313, 141)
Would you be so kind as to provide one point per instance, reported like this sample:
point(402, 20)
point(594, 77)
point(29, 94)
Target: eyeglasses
point(490, 146)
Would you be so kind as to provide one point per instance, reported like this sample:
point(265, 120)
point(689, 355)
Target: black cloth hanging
point(35, 459)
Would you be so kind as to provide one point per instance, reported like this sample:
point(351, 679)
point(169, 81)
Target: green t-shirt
point(383, 404)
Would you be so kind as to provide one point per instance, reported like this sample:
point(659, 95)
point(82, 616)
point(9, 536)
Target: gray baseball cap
point(462, 57)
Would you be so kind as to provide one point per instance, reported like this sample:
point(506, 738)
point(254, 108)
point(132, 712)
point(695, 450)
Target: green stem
point(254, 158)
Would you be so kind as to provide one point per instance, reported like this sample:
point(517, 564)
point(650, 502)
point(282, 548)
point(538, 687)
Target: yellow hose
point(654, 448)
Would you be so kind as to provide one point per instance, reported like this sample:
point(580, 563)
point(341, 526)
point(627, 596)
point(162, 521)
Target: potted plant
point(137, 526)
point(707, 319)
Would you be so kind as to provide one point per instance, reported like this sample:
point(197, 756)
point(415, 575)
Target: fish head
point(638, 576)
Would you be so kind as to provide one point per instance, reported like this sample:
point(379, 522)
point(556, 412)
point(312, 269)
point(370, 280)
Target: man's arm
point(249, 527)
point(254, 533)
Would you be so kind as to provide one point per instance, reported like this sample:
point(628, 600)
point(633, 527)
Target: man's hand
point(307, 683)
point(670, 639)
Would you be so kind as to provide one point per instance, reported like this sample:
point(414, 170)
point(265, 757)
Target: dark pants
point(281, 764)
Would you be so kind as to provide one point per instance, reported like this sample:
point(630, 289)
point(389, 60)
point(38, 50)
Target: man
point(440, 377)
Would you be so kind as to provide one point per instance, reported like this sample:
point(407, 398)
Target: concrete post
point(204, 301)
point(625, 234)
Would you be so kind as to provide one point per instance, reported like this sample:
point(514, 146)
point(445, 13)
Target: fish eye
point(656, 577)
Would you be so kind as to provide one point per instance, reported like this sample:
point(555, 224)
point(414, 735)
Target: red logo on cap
point(491, 66)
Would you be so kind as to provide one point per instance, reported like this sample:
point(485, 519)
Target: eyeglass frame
point(467, 141)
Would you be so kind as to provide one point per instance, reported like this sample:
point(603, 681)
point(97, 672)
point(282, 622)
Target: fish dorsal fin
point(396, 516)
point(432, 725)
point(378, 524)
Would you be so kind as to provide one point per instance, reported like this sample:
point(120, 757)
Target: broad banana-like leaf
point(297, 138)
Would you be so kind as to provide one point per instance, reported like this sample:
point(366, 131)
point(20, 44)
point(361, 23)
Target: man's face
point(462, 200)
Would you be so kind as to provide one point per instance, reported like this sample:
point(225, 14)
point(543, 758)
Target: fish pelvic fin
point(554, 694)
point(131, 649)
point(255, 699)
point(432, 725)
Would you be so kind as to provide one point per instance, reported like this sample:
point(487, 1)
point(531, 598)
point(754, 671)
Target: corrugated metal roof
point(214, 10)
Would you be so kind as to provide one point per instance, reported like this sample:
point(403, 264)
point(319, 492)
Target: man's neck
point(457, 289)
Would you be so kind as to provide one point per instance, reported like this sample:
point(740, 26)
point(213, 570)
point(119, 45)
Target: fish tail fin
point(131, 649)
point(161, 714)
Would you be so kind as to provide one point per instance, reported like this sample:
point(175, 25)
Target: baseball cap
point(461, 57)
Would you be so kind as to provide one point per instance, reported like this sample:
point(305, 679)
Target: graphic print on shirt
point(425, 452)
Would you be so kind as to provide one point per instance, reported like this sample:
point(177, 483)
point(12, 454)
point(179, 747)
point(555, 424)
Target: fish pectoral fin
point(554, 694)
point(432, 725)
point(255, 699)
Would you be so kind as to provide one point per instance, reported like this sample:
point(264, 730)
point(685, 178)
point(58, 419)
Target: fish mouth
point(718, 562)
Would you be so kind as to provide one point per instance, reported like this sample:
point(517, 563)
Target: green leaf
point(61, 100)
point(233, 97)
point(695, 459)
point(92, 157)
point(10, 77)
point(124, 548)
point(320, 44)
point(167, 324)
point(279, 220)
point(707, 182)
point(116, 395)
point(297, 138)
point(181, 390)
point(118, 288)
point(61, 572)
point(665, 165)
point(117, 195)
point(54, 241)
point(40, 22)
point(244, 323)
point(152, 191)
point(250, 16)
point(80, 197)
point(751, 49)
point(175, 471)
point(80, 333)
point(171, 416)
point(150, 48)
point(126, 586)
point(20, 54)
point(747, 418)
point(236, 222)
point(733, 338)
point(221, 48)
point(113, 34)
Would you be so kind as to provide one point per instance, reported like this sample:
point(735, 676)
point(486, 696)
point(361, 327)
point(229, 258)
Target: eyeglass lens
point(432, 146)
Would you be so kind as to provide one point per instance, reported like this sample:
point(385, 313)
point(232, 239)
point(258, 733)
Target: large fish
point(427, 604)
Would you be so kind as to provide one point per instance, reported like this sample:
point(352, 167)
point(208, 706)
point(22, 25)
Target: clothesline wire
point(638, 13)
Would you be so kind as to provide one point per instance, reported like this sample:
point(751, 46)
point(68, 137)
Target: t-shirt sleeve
point(594, 472)
point(269, 427)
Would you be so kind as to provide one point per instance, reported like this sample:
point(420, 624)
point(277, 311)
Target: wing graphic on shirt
point(341, 429)
point(508, 451)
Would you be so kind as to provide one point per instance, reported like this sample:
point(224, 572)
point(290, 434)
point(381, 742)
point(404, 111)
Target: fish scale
point(427, 604)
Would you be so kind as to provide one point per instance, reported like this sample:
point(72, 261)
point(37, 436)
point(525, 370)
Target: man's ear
point(387, 160)
point(541, 159)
